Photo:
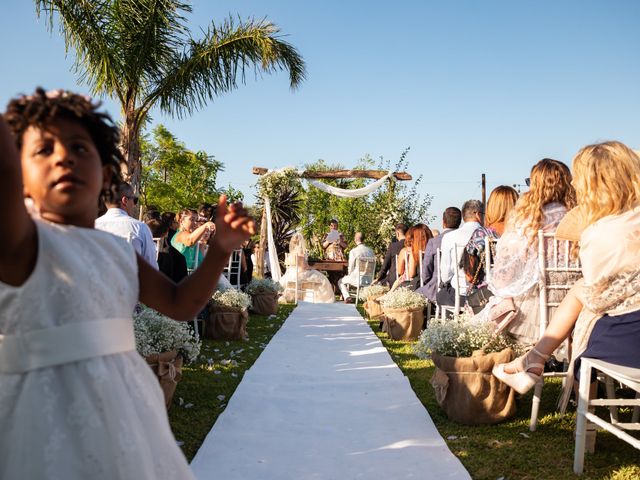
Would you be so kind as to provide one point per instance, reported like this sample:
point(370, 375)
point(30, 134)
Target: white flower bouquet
point(460, 337)
point(157, 334)
point(263, 285)
point(403, 298)
point(231, 299)
point(373, 291)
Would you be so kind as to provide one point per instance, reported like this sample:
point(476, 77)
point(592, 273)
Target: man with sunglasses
point(119, 221)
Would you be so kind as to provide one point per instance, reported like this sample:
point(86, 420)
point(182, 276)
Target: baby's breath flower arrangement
point(403, 298)
point(459, 338)
point(263, 285)
point(232, 298)
point(373, 291)
point(156, 333)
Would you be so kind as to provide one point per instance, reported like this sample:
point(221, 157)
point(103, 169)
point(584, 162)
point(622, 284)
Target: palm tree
point(140, 53)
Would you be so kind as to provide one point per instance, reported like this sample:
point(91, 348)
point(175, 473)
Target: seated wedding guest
point(387, 274)
point(603, 309)
point(404, 262)
point(359, 251)
point(187, 238)
point(451, 219)
point(515, 273)
point(421, 236)
point(298, 272)
point(333, 243)
point(472, 212)
point(169, 218)
point(170, 262)
point(247, 272)
point(500, 204)
point(118, 220)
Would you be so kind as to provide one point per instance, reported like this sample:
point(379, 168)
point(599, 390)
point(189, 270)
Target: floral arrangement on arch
point(403, 298)
point(232, 298)
point(157, 334)
point(263, 285)
point(284, 179)
point(373, 291)
point(460, 337)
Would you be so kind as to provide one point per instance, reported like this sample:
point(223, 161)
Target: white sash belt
point(65, 344)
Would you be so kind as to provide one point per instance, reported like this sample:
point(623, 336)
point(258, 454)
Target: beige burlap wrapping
point(264, 303)
point(403, 323)
point(168, 368)
point(226, 323)
point(468, 392)
point(373, 307)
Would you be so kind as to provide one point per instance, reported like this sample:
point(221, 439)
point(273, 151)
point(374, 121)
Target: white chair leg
point(581, 419)
point(195, 327)
point(535, 405)
point(611, 394)
point(635, 418)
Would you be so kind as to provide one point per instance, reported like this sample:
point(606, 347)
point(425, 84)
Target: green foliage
point(375, 215)
point(174, 177)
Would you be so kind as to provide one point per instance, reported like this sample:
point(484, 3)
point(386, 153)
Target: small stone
point(525, 435)
point(225, 362)
point(234, 363)
point(452, 437)
point(180, 401)
point(216, 349)
point(179, 443)
point(234, 375)
point(188, 405)
point(221, 397)
point(217, 372)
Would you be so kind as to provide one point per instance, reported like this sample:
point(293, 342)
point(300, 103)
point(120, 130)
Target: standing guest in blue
point(387, 274)
point(451, 219)
point(119, 221)
point(472, 212)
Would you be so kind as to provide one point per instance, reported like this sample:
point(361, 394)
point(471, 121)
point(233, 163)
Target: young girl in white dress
point(76, 399)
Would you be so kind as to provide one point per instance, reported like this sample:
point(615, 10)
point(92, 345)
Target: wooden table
point(330, 265)
point(335, 269)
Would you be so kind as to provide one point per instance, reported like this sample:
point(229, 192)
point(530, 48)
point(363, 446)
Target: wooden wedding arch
point(330, 174)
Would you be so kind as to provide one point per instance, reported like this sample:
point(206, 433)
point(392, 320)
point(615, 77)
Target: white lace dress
point(76, 400)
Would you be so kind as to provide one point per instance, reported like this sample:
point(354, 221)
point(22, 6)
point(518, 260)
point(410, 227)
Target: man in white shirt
point(360, 250)
point(118, 221)
point(472, 212)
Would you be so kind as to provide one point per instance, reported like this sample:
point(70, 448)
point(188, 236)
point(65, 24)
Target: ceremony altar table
point(335, 269)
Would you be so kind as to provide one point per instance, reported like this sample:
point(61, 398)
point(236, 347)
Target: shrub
point(403, 298)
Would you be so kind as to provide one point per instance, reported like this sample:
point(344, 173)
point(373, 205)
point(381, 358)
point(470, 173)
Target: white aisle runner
point(325, 401)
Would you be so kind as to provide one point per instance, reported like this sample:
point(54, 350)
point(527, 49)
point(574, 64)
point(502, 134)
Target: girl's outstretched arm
point(18, 239)
point(185, 300)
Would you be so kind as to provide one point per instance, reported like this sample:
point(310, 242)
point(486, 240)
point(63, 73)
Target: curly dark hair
point(42, 107)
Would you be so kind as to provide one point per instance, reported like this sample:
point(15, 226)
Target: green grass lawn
point(207, 384)
point(509, 450)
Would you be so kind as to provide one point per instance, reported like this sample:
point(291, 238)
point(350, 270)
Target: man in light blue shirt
point(472, 212)
point(118, 221)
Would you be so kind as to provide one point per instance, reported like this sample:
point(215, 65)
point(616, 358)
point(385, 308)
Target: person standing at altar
point(333, 243)
point(360, 250)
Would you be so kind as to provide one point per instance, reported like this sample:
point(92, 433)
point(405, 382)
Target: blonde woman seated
point(307, 278)
point(603, 309)
point(515, 274)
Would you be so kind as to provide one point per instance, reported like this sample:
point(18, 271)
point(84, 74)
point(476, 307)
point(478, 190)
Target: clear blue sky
point(471, 86)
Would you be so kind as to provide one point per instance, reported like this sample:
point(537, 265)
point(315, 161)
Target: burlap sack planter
point(225, 323)
point(264, 303)
point(403, 323)
point(468, 392)
point(373, 308)
point(168, 368)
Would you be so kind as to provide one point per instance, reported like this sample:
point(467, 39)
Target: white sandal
point(522, 380)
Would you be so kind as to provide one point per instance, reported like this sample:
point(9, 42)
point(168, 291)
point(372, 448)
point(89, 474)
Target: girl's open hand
point(234, 225)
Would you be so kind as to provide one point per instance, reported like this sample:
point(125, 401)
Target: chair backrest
point(457, 284)
point(420, 259)
point(438, 254)
point(558, 272)
point(490, 244)
point(232, 272)
point(160, 245)
point(366, 267)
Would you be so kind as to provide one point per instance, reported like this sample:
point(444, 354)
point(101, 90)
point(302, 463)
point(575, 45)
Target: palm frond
point(87, 28)
point(219, 62)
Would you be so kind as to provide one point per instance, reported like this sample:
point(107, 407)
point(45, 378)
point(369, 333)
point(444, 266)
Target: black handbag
point(478, 299)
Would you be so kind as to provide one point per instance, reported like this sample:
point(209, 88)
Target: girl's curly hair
point(42, 107)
